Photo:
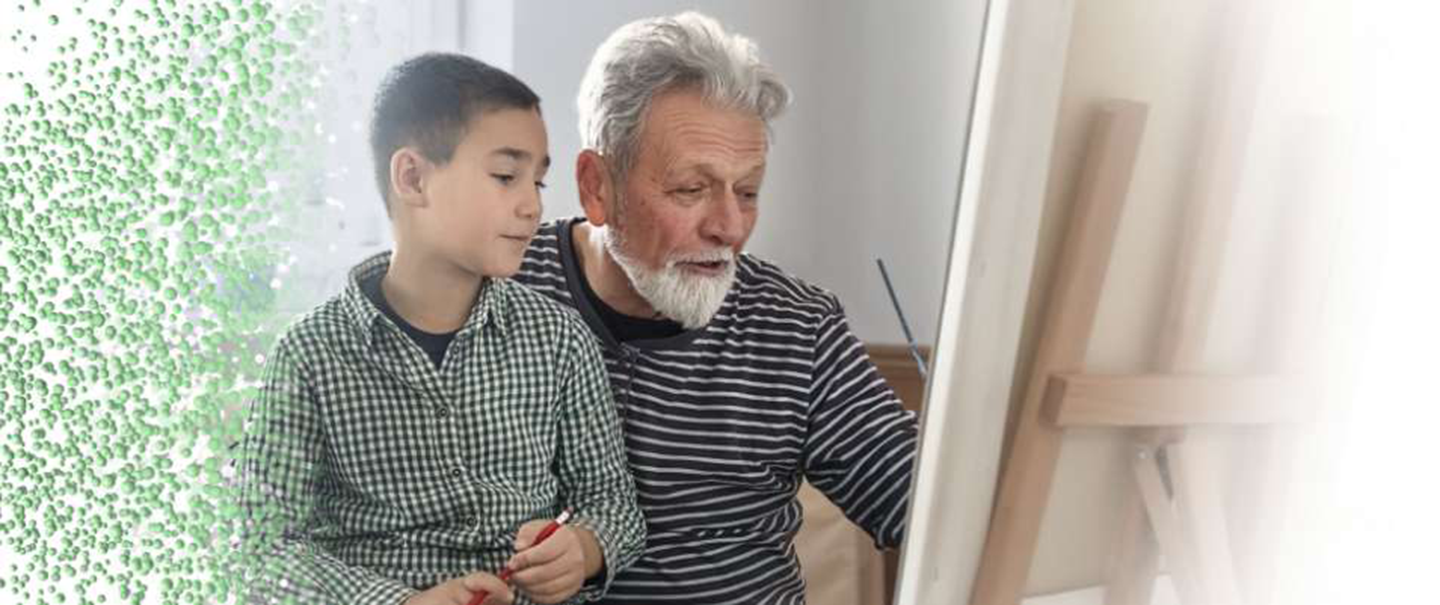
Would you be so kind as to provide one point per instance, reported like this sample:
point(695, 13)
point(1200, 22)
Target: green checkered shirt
point(367, 474)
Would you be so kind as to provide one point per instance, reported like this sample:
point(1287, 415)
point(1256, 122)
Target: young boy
point(415, 432)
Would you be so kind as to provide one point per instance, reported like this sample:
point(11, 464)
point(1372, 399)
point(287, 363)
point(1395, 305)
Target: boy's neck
point(434, 297)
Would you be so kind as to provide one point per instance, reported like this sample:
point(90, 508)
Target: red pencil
point(549, 528)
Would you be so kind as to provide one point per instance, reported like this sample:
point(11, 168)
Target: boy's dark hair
point(428, 101)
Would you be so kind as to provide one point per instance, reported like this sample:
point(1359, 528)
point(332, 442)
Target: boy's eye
point(505, 179)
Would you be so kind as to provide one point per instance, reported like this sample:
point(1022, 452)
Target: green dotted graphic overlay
point(149, 150)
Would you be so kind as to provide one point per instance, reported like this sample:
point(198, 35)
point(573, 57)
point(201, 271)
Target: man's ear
point(597, 192)
point(408, 170)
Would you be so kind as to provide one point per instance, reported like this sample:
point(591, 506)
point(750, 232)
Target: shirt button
point(468, 521)
point(442, 411)
point(457, 472)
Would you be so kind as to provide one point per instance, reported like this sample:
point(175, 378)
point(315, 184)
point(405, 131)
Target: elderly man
point(734, 380)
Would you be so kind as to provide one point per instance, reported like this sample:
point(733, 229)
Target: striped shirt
point(722, 423)
point(372, 474)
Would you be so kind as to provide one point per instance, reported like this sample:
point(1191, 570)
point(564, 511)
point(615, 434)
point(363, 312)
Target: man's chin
point(697, 283)
point(687, 309)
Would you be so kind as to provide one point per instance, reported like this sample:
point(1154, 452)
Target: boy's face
point(483, 206)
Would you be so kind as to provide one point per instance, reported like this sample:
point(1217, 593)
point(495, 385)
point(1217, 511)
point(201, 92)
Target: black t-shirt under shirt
point(433, 344)
point(623, 327)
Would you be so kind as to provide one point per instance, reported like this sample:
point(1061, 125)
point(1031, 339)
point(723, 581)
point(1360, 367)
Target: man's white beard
point(687, 298)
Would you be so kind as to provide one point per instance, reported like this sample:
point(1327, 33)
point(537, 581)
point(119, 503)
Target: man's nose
point(724, 224)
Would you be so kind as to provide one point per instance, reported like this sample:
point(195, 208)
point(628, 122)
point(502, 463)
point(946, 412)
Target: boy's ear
point(592, 178)
point(407, 177)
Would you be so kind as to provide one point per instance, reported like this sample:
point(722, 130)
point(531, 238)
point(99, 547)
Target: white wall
point(866, 162)
point(899, 78)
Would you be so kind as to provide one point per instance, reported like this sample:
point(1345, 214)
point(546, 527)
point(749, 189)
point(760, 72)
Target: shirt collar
point(491, 308)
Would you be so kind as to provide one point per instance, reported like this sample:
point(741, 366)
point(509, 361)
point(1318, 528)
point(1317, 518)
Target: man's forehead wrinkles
point(710, 132)
point(710, 149)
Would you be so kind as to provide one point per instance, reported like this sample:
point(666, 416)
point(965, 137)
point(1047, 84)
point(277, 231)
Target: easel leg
point(1202, 514)
point(1169, 531)
point(1135, 562)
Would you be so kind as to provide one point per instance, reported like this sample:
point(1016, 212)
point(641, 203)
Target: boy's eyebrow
point(520, 155)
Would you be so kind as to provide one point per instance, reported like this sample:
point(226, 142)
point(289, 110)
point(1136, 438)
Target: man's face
point(485, 202)
point(688, 204)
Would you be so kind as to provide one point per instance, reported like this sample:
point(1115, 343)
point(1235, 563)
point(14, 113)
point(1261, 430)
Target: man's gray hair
point(652, 56)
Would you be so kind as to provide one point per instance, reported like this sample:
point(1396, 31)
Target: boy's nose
point(530, 204)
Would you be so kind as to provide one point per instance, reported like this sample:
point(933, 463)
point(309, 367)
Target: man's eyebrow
point(520, 155)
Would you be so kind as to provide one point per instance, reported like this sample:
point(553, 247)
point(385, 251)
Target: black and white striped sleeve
point(860, 448)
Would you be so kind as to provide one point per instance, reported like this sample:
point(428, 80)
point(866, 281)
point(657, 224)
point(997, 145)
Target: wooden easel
point(1176, 496)
point(1176, 480)
point(1031, 455)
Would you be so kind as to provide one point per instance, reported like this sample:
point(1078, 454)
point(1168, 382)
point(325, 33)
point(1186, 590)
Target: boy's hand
point(459, 591)
point(553, 570)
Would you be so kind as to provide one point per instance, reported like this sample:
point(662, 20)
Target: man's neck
point(433, 300)
point(605, 276)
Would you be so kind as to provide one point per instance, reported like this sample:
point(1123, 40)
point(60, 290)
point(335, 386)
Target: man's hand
point(553, 570)
point(459, 591)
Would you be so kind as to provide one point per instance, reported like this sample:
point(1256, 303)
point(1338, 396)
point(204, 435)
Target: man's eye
point(690, 190)
point(539, 184)
point(505, 179)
